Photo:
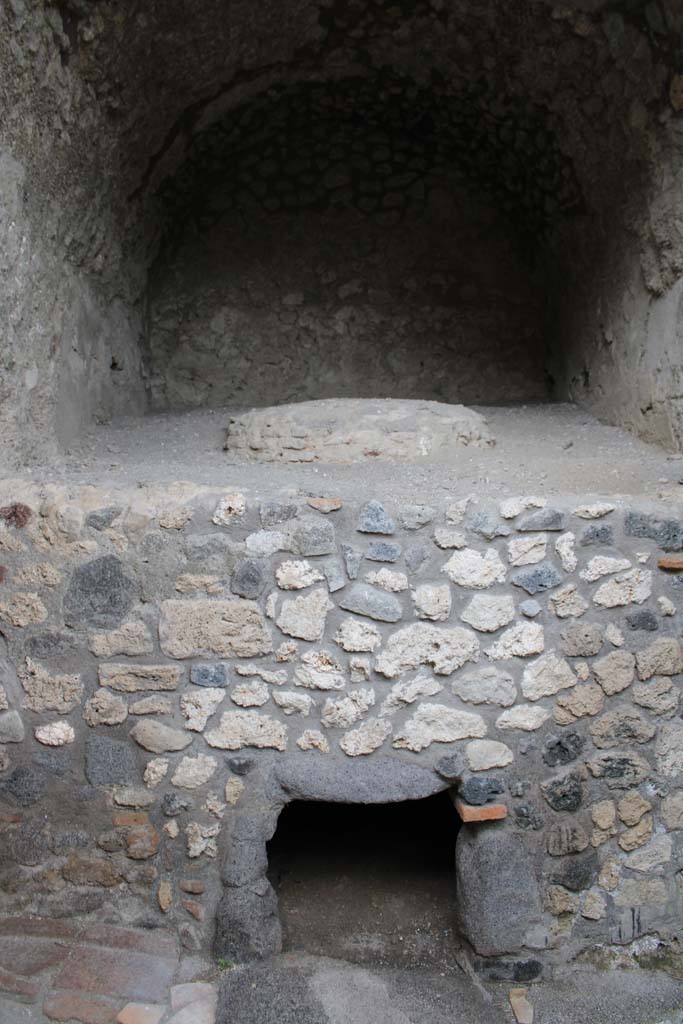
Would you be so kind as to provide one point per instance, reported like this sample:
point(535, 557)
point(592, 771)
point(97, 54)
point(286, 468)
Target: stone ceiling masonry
point(440, 200)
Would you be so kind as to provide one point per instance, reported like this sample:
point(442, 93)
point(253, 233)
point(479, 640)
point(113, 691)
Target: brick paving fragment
point(117, 973)
point(87, 1009)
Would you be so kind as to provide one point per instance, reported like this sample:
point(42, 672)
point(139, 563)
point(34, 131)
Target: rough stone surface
point(366, 600)
point(239, 729)
point(546, 677)
point(469, 568)
point(445, 650)
point(432, 601)
point(437, 723)
point(367, 738)
point(499, 899)
point(523, 716)
point(45, 692)
point(128, 678)
point(488, 613)
point(199, 629)
point(159, 738)
point(543, 577)
point(486, 685)
point(132, 638)
point(99, 594)
point(663, 657)
point(615, 671)
point(304, 617)
point(519, 641)
point(109, 762)
point(482, 755)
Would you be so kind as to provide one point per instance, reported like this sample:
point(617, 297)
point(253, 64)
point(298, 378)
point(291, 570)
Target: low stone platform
point(71, 971)
point(347, 430)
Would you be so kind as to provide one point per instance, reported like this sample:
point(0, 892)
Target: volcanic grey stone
point(248, 578)
point(564, 793)
point(213, 552)
point(102, 518)
point(530, 608)
point(479, 789)
point(334, 574)
point(416, 556)
point(11, 727)
point(508, 970)
point(55, 762)
point(271, 993)
point(537, 578)
point(597, 533)
point(51, 645)
point(352, 560)
point(247, 924)
point(99, 594)
point(246, 861)
point(373, 519)
point(563, 749)
point(383, 551)
point(378, 780)
point(240, 764)
point(173, 804)
point(528, 818)
point(71, 839)
point(668, 533)
point(643, 619)
point(578, 872)
point(544, 519)
point(488, 525)
point(28, 844)
point(109, 762)
point(414, 517)
point(24, 786)
point(450, 767)
point(274, 512)
point(314, 536)
point(211, 674)
point(375, 604)
point(498, 897)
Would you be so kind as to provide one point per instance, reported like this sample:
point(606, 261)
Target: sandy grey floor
point(294, 989)
point(549, 448)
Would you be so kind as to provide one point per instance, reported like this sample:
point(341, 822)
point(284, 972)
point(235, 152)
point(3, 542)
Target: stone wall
point(325, 244)
point(567, 117)
point(178, 664)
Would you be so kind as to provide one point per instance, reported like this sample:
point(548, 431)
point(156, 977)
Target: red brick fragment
point(194, 908)
point(142, 842)
point(16, 515)
point(192, 885)
point(42, 927)
point(30, 956)
point(19, 987)
point(117, 974)
point(488, 812)
point(11, 819)
point(155, 942)
point(84, 1008)
point(672, 563)
point(3, 573)
point(126, 819)
point(325, 505)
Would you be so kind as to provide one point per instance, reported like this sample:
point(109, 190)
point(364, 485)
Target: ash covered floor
point(299, 989)
point(548, 448)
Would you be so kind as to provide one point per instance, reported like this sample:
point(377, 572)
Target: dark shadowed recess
point(368, 884)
